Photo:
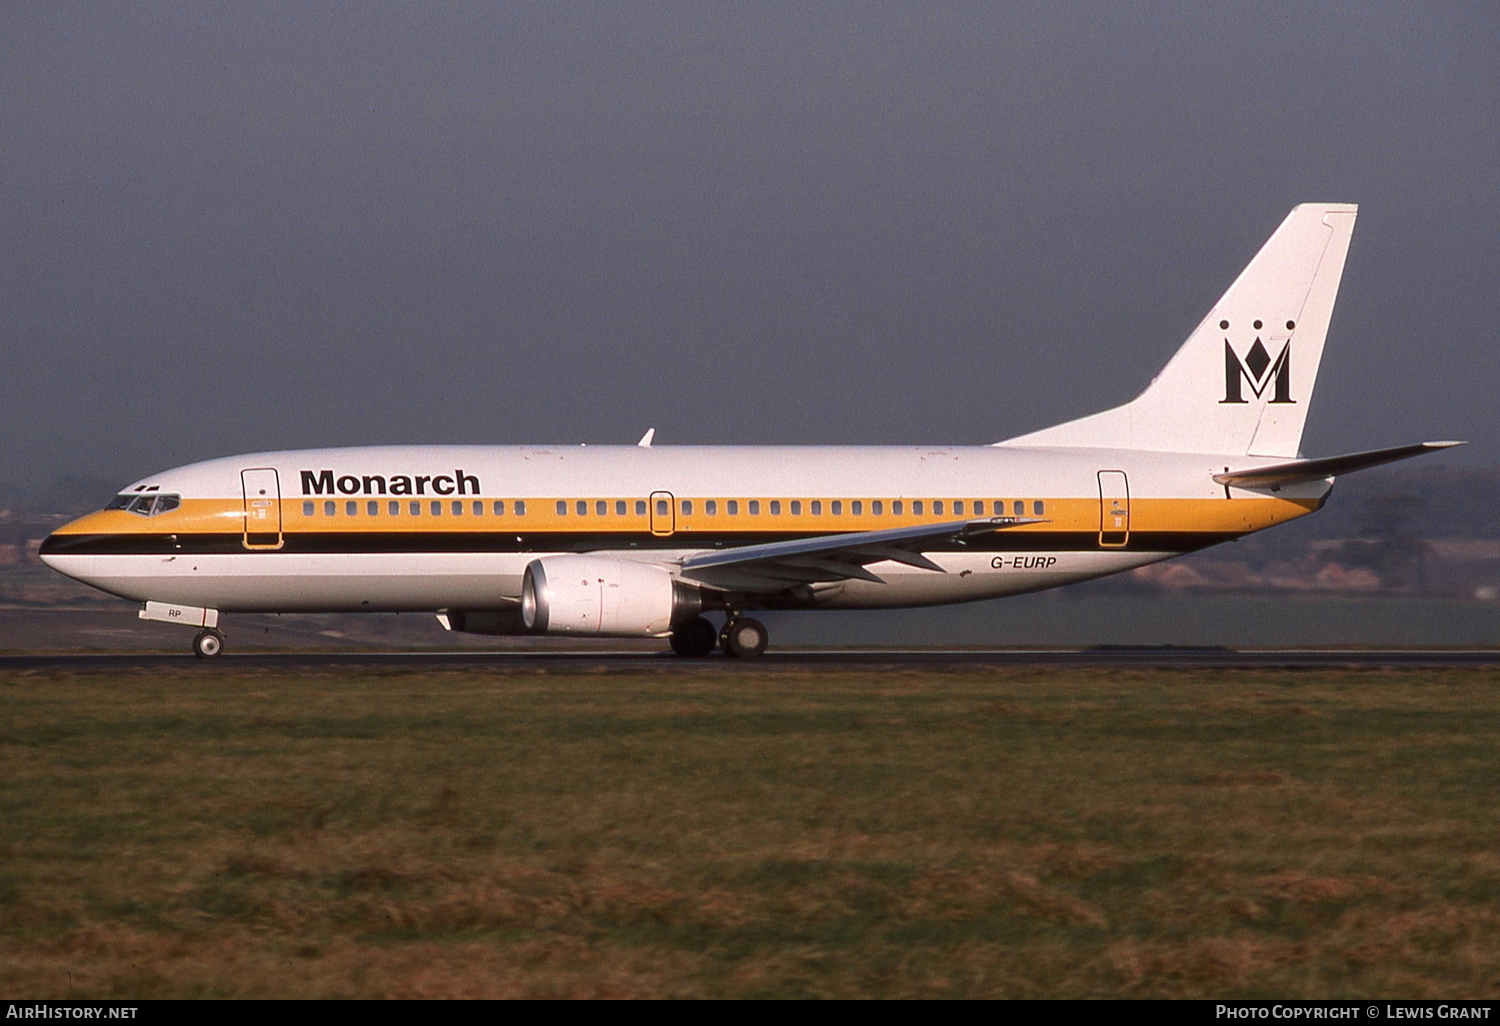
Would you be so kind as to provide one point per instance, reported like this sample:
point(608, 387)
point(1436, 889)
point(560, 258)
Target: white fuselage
point(410, 528)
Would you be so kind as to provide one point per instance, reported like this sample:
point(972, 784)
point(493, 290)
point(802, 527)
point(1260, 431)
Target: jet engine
point(596, 595)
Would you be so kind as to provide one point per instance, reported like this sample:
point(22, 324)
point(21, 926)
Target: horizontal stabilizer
point(1328, 466)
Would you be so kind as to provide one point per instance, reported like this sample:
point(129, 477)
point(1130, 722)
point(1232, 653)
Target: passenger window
point(732, 507)
point(351, 508)
point(414, 508)
point(775, 507)
point(640, 507)
point(619, 507)
point(998, 507)
point(1038, 508)
point(916, 507)
point(373, 508)
point(897, 507)
point(307, 509)
point(836, 507)
point(458, 508)
point(1020, 508)
point(817, 507)
point(437, 508)
point(520, 507)
point(958, 507)
point(662, 509)
point(876, 508)
point(687, 507)
point(329, 508)
point(581, 508)
point(478, 508)
point(393, 508)
point(710, 507)
point(857, 507)
point(601, 508)
point(562, 507)
point(937, 507)
point(498, 507)
point(796, 507)
point(755, 507)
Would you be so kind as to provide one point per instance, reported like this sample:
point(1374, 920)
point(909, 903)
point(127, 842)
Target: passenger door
point(262, 488)
point(1114, 509)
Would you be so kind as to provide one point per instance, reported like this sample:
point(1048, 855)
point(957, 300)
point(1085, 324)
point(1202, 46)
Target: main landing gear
point(741, 637)
point(208, 644)
point(744, 638)
point(695, 638)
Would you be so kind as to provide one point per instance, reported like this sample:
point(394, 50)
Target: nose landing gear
point(208, 644)
point(209, 641)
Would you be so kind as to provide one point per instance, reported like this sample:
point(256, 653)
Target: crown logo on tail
point(1259, 371)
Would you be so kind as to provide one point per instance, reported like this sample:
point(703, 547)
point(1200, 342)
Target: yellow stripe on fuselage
point(227, 516)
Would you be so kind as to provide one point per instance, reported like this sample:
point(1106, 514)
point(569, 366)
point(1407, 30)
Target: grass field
point(863, 833)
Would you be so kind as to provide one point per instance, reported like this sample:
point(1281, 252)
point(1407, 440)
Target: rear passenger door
point(1114, 509)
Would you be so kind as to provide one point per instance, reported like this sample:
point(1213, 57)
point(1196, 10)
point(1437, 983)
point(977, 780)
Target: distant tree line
point(70, 493)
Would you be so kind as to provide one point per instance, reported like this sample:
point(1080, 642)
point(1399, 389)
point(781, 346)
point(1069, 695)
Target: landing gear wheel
point(694, 639)
point(745, 638)
point(208, 644)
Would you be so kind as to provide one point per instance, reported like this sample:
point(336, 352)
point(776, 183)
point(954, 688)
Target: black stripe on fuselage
point(585, 541)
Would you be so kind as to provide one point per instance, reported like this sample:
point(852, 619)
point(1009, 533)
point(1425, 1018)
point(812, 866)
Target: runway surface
point(771, 662)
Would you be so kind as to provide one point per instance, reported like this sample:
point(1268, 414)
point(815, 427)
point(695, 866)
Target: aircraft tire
point(745, 638)
point(695, 638)
point(208, 644)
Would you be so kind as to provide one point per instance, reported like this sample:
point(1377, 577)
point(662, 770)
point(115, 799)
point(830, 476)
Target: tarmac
point(786, 661)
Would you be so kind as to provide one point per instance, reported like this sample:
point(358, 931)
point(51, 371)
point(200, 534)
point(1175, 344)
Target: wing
point(834, 557)
point(1328, 466)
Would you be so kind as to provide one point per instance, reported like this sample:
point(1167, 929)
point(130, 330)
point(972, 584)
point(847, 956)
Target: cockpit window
point(148, 505)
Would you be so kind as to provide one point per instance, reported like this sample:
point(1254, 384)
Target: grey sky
point(231, 226)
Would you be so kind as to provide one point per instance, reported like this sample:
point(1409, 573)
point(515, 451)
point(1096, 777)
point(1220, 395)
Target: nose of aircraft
point(60, 548)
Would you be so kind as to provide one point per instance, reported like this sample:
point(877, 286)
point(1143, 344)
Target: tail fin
point(1243, 380)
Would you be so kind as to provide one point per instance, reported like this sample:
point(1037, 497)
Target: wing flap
point(834, 557)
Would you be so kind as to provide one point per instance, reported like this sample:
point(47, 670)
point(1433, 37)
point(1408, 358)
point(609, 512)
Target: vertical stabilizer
point(1243, 380)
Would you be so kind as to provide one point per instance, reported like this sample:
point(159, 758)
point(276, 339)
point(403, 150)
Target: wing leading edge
point(834, 557)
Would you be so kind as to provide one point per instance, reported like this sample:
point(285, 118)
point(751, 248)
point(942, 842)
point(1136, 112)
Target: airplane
point(644, 540)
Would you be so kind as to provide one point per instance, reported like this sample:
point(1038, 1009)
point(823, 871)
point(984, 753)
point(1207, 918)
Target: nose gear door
point(262, 489)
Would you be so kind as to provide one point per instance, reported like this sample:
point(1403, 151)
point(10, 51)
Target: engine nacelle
point(595, 595)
